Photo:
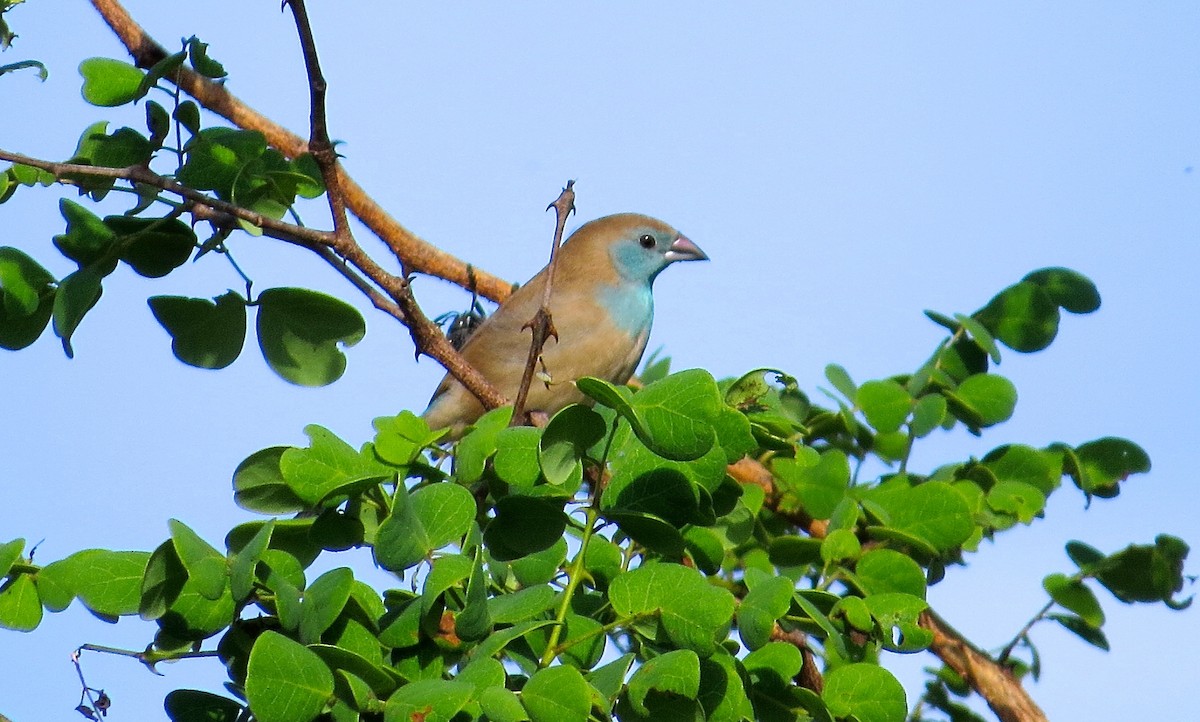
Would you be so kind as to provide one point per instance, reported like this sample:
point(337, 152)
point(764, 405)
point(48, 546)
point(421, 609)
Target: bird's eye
point(646, 241)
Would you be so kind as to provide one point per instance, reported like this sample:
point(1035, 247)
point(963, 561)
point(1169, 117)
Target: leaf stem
point(575, 577)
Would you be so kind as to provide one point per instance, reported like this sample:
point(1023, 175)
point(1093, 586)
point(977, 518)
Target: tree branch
point(542, 324)
point(398, 302)
point(416, 254)
point(1002, 692)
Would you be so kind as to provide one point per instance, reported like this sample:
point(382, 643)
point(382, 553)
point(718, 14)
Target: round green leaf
point(109, 83)
point(26, 299)
point(77, 294)
point(258, 484)
point(299, 332)
point(678, 413)
point(675, 673)
point(880, 571)
point(517, 455)
point(20, 607)
point(1023, 317)
point(984, 399)
point(285, 681)
point(205, 565)
point(206, 334)
point(524, 525)
point(1073, 595)
point(192, 705)
point(1069, 289)
point(568, 436)
point(886, 404)
point(557, 694)
point(867, 691)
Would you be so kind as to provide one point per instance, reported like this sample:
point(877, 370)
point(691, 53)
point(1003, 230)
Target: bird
point(601, 304)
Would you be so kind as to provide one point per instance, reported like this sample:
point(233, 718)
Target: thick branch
point(414, 253)
point(1003, 693)
point(542, 324)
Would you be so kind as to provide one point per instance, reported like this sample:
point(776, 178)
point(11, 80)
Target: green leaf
point(678, 413)
point(928, 414)
point(565, 441)
point(609, 679)
point(897, 614)
point(192, 705)
point(816, 489)
point(259, 485)
point(557, 694)
point(299, 332)
point(328, 464)
point(1074, 596)
point(153, 247)
point(983, 400)
point(1018, 463)
point(1023, 317)
point(1145, 573)
point(516, 459)
point(107, 582)
point(88, 241)
point(1082, 629)
point(241, 569)
point(206, 334)
point(432, 517)
point(881, 571)
point(765, 603)
point(867, 691)
point(20, 606)
point(10, 552)
point(650, 531)
point(524, 525)
point(674, 673)
point(200, 62)
point(286, 682)
point(109, 83)
point(886, 404)
point(542, 566)
point(502, 705)
point(323, 603)
point(694, 613)
point(840, 545)
point(205, 565)
point(400, 439)
point(706, 548)
point(932, 511)
point(841, 381)
point(1024, 501)
point(1105, 463)
point(77, 294)
point(479, 443)
point(193, 617)
point(980, 335)
point(521, 605)
point(1069, 289)
point(162, 582)
point(26, 299)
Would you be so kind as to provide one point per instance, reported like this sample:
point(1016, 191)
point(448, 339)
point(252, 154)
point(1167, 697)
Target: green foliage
point(613, 563)
point(531, 574)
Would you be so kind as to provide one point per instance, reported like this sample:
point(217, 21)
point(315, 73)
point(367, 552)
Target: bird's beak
point(684, 250)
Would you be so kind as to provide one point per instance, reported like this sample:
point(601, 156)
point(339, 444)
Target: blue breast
point(629, 305)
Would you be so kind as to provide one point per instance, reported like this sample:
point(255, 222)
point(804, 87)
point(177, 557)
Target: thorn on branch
point(542, 323)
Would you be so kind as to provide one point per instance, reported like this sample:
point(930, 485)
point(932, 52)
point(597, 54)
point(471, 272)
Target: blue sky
point(845, 167)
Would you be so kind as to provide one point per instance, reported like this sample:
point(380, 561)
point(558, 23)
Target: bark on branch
point(414, 253)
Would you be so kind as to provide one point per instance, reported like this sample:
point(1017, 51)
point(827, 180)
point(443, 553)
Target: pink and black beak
point(684, 250)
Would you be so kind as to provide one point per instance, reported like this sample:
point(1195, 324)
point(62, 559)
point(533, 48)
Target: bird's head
point(638, 247)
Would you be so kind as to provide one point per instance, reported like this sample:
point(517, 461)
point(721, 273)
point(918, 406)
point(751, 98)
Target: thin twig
point(542, 324)
point(415, 254)
point(1008, 648)
point(426, 335)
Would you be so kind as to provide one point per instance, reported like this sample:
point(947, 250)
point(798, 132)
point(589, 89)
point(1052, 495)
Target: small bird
point(602, 307)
